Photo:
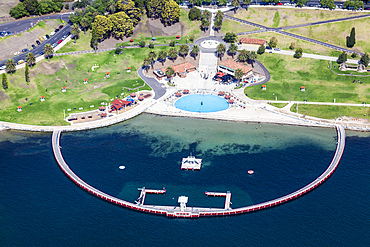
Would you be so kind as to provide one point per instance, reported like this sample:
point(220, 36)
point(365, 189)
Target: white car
point(52, 33)
point(44, 37)
point(16, 53)
point(2, 67)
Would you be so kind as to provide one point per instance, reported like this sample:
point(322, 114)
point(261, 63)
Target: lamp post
point(64, 112)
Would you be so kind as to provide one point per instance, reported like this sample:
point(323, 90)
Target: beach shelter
point(231, 101)
point(186, 91)
point(131, 40)
point(19, 108)
point(85, 81)
point(107, 74)
point(133, 95)
point(128, 69)
point(153, 39)
point(227, 96)
point(64, 89)
point(178, 94)
point(102, 108)
point(263, 87)
point(42, 98)
point(141, 98)
point(303, 88)
point(178, 37)
point(221, 93)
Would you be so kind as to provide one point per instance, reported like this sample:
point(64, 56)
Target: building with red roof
point(252, 41)
point(230, 66)
point(119, 104)
point(181, 70)
point(303, 88)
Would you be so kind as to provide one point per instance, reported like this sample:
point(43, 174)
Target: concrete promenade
point(195, 212)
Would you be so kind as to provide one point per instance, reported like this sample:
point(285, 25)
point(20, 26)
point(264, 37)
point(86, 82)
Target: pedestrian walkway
point(208, 63)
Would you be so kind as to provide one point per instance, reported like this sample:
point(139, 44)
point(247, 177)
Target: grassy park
point(289, 74)
point(332, 111)
point(234, 26)
point(48, 78)
point(290, 16)
point(336, 33)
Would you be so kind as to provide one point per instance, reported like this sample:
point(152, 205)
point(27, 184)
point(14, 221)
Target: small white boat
point(191, 163)
point(122, 167)
point(250, 172)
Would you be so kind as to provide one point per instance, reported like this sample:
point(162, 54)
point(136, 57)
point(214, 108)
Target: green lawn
point(289, 74)
point(334, 66)
point(159, 40)
point(332, 112)
point(278, 105)
point(82, 43)
point(234, 26)
point(336, 33)
point(47, 78)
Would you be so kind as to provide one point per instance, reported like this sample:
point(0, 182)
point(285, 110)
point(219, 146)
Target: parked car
point(279, 3)
point(69, 33)
point(25, 50)
point(277, 49)
point(47, 36)
point(2, 34)
point(53, 45)
point(9, 33)
point(41, 39)
point(56, 30)
point(52, 33)
point(20, 61)
point(38, 42)
point(16, 53)
point(268, 48)
point(44, 37)
point(41, 53)
point(2, 67)
point(60, 41)
point(60, 27)
point(33, 46)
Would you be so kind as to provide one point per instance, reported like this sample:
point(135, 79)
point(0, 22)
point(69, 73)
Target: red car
point(60, 41)
point(279, 3)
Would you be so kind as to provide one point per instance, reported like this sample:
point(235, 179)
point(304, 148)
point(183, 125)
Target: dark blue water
point(40, 206)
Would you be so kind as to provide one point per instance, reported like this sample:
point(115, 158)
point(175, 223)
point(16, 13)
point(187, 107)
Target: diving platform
point(227, 196)
point(191, 163)
point(144, 191)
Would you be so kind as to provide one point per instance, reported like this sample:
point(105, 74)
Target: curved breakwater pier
point(195, 212)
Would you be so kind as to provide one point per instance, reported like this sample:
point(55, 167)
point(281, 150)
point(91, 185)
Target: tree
point(298, 53)
point(243, 56)
point(194, 52)
point(5, 82)
point(205, 24)
point(273, 42)
point(173, 54)
point(252, 57)
point(31, 6)
point(170, 72)
point(66, 6)
point(94, 41)
point(191, 38)
point(162, 55)
point(75, 31)
point(217, 24)
point(85, 24)
point(194, 14)
point(102, 25)
point(146, 63)
point(184, 50)
point(300, 3)
point(239, 74)
point(235, 4)
point(353, 4)
point(292, 46)
point(222, 2)
point(172, 43)
point(327, 4)
point(351, 40)
point(27, 74)
point(30, 59)
point(365, 59)
point(342, 58)
point(233, 48)
point(220, 50)
point(167, 10)
point(152, 56)
point(19, 11)
point(111, 8)
point(353, 55)
point(230, 37)
point(247, 2)
point(142, 44)
point(48, 51)
point(151, 46)
point(10, 66)
point(261, 49)
point(219, 16)
point(121, 25)
point(206, 15)
point(132, 11)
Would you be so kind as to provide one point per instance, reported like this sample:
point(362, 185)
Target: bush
point(142, 44)
point(66, 6)
point(173, 43)
point(151, 46)
point(191, 38)
point(230, 37)
point(298, 53)
point(261, 49)
point(292, 46)
point(118, 50)
point(353, 55)
point(342, 58)
point(194, 14)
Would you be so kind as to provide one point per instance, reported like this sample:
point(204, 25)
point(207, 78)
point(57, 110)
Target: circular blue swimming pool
point(202, 103)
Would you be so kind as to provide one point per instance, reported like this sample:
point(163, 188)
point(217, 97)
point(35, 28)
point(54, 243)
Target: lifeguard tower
point(182, 200)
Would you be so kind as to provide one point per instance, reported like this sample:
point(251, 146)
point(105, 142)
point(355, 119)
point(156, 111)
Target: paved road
point(23, 25)
point(153, 83)
point(40, 48)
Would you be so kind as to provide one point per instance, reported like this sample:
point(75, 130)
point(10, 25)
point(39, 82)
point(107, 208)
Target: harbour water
point(40, 206)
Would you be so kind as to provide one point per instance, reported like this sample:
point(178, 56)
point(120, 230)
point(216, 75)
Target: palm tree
point(85, 24)
point(75, 31)
point(243, 56)
point(233, 48)
point(194, 52)
point(221, 50)
point(30, 59)
point(235, 4)
point(111, 6)
point(239, 74)
point(172, 54)
point(162, 55)
point(184, 50)
point(10, 66)
point(252, 57)
point(205, 24)
point(146, 63)
point(170, 72)
point(152, 56)
point(48, 51)
point(217, 24)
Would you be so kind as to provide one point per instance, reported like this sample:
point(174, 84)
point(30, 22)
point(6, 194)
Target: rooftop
point(235, 65)
point(252, 41)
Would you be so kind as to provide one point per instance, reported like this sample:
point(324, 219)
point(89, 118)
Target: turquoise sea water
point(40, 206)
point(202, 103)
